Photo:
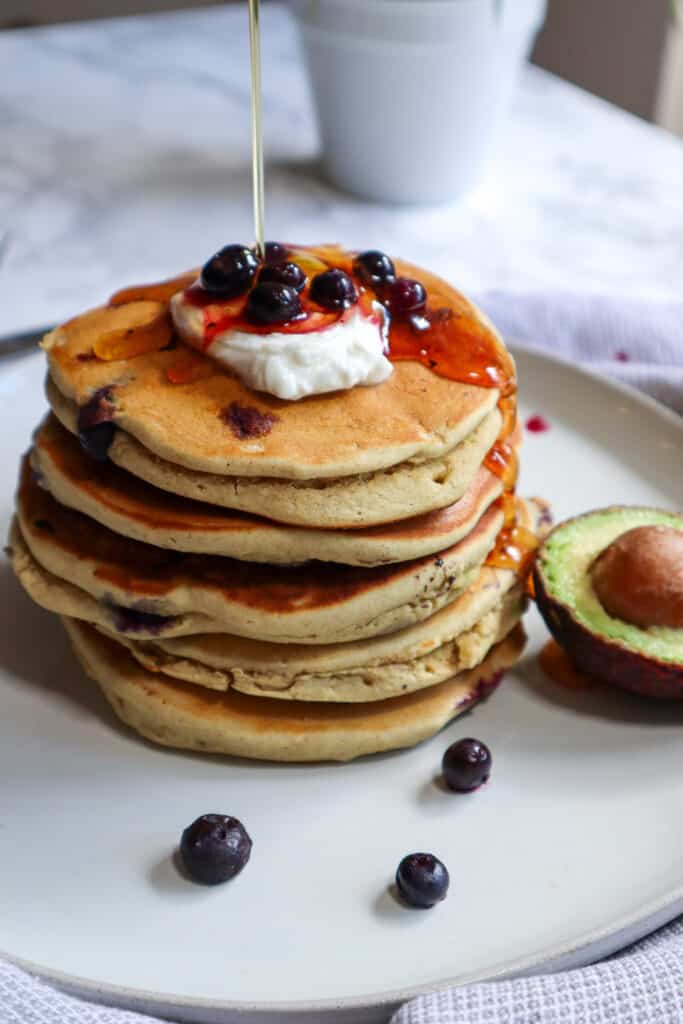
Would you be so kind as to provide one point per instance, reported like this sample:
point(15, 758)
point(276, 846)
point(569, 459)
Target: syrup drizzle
point(256, 128)
point(515, 545)
point(453, 341)
point(514, 549)
point(503, 462)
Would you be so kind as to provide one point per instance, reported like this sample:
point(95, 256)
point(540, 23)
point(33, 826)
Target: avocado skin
point(605, 659)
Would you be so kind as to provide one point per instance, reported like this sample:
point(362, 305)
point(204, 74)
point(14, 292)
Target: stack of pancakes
point(281, 580)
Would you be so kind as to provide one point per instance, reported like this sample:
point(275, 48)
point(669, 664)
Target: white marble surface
point(125, 150)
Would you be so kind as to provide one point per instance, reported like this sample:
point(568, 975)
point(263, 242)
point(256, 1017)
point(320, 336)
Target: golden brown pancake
point(55, 594)
point(414, 415)
point(421, 655)
point(259, 666)
point(177, 714)
point(314, 603)
point(348, 502)
point(127, 505)
point(384, 681)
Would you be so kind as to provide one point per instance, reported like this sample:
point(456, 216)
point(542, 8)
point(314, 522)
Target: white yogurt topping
point(349, 352)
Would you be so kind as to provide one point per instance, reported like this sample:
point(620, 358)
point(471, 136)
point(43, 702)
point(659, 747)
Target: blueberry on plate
point(422, 879)
point(466, 765)
point(374, 268)
point(229, 272)
point(273, 303)
point(333, 289)
point(215, 848)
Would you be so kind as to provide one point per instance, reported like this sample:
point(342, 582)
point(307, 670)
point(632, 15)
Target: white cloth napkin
point(642, 344)
point(643, 985)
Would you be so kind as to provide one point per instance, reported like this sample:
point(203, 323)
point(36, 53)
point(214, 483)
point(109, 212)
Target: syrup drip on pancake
point(503, 462)
point(515, 545)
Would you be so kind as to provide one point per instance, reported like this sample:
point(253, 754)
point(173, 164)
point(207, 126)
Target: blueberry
point(405, 297)
point(215, 848)
point(283, 273)
point(276, 252)
point(229, 272)
point(95, 427)
point(466, 765)
point(422, 879)
point(374, 268)
point(130, 620)
point(333, 289)
point(273, 303)
point(97, 441)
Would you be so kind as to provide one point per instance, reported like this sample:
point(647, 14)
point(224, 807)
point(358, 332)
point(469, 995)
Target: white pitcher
point(408, 92)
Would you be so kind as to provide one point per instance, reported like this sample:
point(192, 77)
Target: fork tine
point(21, 341)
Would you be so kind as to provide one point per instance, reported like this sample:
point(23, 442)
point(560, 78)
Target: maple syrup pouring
point(256, 127)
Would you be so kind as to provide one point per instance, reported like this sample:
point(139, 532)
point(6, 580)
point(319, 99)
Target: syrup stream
point(256, 127)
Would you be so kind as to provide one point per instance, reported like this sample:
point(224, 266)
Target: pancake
point(55, 594)
point(394, 663)
point(177, 714)
point(414, 415)
point(383, 496)
point(379, 681)
point(129, 506)
point(314, 603)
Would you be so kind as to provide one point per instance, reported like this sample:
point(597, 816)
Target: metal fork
point(21, 341)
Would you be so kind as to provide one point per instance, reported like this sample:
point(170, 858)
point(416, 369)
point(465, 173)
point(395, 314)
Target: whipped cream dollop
point(292, 365)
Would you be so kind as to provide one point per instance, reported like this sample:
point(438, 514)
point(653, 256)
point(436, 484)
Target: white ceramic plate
point(574, 848)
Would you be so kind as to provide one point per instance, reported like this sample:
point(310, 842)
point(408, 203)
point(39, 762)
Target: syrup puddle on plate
point(558, 668)
point(537, 424)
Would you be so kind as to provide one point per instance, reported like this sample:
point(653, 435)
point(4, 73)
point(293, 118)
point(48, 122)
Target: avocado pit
point(639, 577)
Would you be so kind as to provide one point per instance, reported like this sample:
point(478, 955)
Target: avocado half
point(648, 661)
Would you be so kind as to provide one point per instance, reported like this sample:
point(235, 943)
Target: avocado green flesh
point(565, 563)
